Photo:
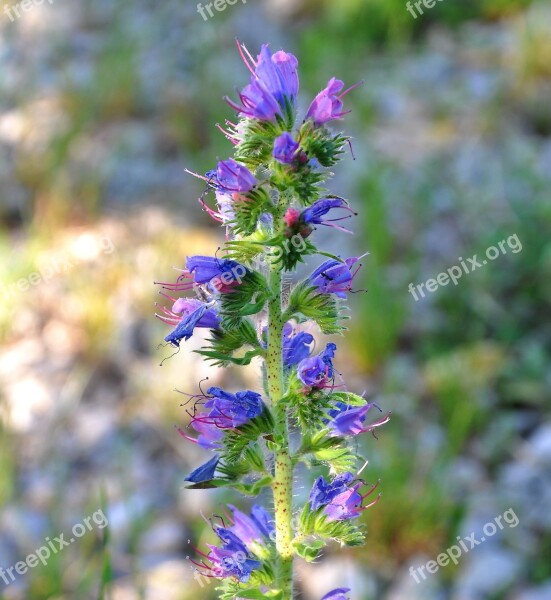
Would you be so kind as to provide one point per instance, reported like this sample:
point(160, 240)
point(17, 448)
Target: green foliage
point(322, 144)
point(316, 524)
point(223, 344)
point(306, 302)
point(243, 440)
point(247, 298)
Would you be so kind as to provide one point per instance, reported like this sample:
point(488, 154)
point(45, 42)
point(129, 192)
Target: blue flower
point(324, 492)
point(232, 410)
point(258, 528)
point(273, 86)
point(204, 472)
point(232, 559)
point(233, 177)
point(338, 594)
point(340, 500)
point(315, 213)
point(296, 346)
point(195, 314)
point(349, 420)
point(334, 277)
point(317, 371)
point(285, 148)
point(224, 411)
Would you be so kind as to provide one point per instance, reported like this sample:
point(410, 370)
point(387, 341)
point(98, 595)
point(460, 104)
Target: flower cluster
point(270, 198)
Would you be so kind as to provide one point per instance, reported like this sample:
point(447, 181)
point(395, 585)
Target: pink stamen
point(246, 56)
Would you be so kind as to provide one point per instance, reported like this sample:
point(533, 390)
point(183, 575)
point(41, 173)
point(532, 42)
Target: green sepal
point(247, 298)
point(253, 489)
point(235, 442)
point(315, 523)
point(321, 449)
point(308, 410)
point(309, 550)
point(248, 209)
point(223, 343)
point(287, 254)
point(303, 180)
point(230, 589)
point(306, 302)
point(322, 144)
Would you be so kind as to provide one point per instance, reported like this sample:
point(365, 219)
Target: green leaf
point(253, 489)
point(316, 523)
point(247, 298)
point(306, 302)
point(320, 143)
point(223, 343)
point(309, 550)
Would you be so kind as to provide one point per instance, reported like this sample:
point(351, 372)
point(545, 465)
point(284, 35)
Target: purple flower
point(278, 72)
point(339, 499)
point(257, 528)
point(273, 86)
point(194, 314)
point(296, 347)
point(328, 105)
point(334, 277)
point(222, 274)
point(233, 177)
point(224, 411)
point(210, 436)
point(315, 214)
point(346, 505)
point(204, 472)
point(338, 594)
point(232, 558)
point(316, 371)
point(232, 410)
point(285, 148)
point(323, 492)
point(349, 420)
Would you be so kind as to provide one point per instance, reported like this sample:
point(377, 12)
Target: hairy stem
point(283, 480)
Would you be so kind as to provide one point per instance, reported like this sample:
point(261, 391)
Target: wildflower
point(316, 371)
point(233, 177)
point(204, 472)
point(232, 558)
point(334, 277)
point(315, 214)
point(256, 529)
point(194, 313)
point(224, 411)
point(232, 410)
point(349, 420)
point(340, 500)
point(328, 105)
point(301, 222)
point(323, 492)
point(296, 347)
point(338, 594)
point(273, 86)
point(285, 148)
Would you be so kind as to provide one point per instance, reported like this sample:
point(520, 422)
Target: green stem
point(283, 479)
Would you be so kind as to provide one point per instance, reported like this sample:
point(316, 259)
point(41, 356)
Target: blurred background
point(102, 105)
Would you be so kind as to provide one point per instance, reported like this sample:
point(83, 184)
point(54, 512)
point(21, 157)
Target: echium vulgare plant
point(270, 198)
